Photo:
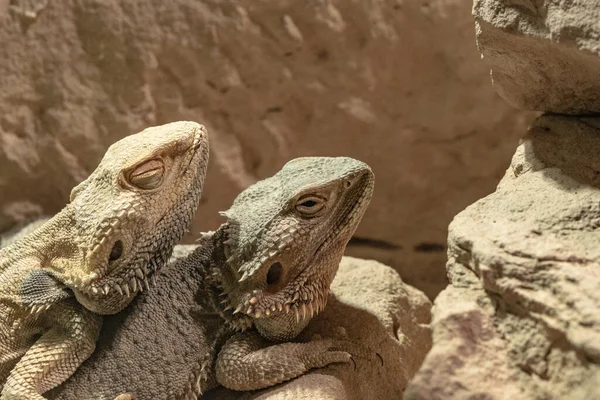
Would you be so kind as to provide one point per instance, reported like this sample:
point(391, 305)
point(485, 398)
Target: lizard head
point(132, 210)
point(286, 237)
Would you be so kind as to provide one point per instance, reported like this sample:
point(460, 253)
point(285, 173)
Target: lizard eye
point(148, 175)
point(274, 274)
point(310, 205)
point(116, 251)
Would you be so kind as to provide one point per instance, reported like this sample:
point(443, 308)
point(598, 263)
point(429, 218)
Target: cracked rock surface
point(544, 55)
point(397, 84)
point(372, 306)
point(521, 317)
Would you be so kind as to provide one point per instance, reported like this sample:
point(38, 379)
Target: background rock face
point(396, 84)
point(370, 305)
point(520, 319)
point(545, 55)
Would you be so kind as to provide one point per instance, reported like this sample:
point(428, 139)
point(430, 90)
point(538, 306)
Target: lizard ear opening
point(274, 274)
point(116, 251)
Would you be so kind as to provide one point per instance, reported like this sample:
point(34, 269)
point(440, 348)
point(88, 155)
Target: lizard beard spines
point(306, 300)
point(231, 232)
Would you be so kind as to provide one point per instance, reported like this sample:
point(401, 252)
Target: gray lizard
point(93, 256)
point(217, 312)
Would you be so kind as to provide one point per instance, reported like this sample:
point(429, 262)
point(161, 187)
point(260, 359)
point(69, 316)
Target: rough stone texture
point(396, 84)
point(370, 305)
point(544, 55)
point(521, 318)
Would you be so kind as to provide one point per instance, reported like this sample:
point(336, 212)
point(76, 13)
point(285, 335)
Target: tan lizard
point(267, 268)
point(93, 256)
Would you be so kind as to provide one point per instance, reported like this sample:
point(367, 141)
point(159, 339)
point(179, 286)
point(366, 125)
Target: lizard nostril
point(116, 251)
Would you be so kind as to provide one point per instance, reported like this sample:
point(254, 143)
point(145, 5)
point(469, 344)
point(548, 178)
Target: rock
point(369, 305)
point(396, 84)
point(520, 319)
point(544, 55)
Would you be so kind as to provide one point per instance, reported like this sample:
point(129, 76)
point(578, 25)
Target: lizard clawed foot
point(355, 351)
point(326, 351)
point(273, 363)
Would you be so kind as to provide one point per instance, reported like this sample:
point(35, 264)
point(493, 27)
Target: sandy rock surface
point(521, 318)
point(370, 305)
point(544, 55)
point(397, 84)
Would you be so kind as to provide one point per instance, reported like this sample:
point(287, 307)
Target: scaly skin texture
point(92, 257)
point(220, 309)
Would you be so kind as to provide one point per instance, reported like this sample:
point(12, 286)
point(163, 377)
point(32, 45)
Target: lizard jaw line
point(305, 303)
point(142, 278)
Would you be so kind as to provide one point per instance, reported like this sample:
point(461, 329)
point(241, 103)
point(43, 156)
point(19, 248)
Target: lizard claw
point(326, 351)
point(354, 351)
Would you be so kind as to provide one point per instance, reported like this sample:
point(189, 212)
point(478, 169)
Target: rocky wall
point(521, 317)
point(394, 83)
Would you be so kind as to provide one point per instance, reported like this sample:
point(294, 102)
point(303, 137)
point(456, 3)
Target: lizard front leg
point(54, 357)
point(249, 362)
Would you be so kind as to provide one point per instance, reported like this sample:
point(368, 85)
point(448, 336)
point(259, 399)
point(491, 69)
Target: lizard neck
point(219, 278)
point(51, 247)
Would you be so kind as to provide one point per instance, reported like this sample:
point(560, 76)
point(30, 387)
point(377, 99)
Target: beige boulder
point(397, 84)
point(544, 55)
point(521, 317)
point(369, 305)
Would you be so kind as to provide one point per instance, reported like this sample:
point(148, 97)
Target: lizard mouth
point(306, 296)
point(142, 278)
